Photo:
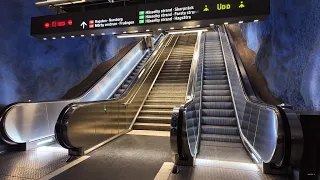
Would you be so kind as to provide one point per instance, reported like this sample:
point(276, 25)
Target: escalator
point(169, 89)
point(220, 128)
point(147, 105)
point(135, 72)
point(25, 125)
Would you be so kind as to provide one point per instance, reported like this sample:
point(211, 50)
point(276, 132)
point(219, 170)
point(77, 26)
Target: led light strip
point(133, 35)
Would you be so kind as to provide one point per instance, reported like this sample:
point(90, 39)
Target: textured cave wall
point(44, 70)
point(288, 51)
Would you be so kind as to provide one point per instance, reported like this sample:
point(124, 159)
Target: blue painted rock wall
point(288, 51)
point(44, 70)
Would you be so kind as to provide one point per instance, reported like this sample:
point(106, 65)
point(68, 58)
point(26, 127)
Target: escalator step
point(217, 99)
point(221, 144)
point(223, 121)
point(216, 77)
point(221, 138)
point(217, 105)
point(222, 130)
point(209, 73)
point(216, 87)
point(216, 93)
point(218, 112)
point(215, 82)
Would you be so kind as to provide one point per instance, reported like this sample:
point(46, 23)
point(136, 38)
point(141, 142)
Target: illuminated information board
point(145, 15)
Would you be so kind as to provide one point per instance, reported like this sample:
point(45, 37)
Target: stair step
point(152, 126)
point(155, 112)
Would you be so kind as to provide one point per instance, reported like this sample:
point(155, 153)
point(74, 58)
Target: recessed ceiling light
point(72, 36)
point(92, 34)
point(102, 33)
point(226, 23)
point(256, 20)
point(63, 37)
point(240, 22)
point(172, 28)
point(82, 35)
point(53, 37)
point(45, 39)
point(211, 24)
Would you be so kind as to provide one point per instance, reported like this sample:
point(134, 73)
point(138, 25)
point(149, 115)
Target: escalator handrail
point(260, 105)
point(177, 128)
point(4, 114)
point(61, 128)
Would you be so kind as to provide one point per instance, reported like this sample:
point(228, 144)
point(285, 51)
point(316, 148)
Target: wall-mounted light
point(256, 20)
point(240, 22)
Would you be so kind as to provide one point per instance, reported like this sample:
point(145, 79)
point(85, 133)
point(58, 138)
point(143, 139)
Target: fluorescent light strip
point(133, 35)
point(188, 31)
point(45, 141)
point(58, 2)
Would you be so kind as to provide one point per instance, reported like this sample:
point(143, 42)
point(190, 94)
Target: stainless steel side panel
point(26, 122)
point(258, 123)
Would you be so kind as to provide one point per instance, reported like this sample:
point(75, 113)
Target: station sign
point(147, 14)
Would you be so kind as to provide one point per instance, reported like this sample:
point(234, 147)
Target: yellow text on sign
point(222, 7)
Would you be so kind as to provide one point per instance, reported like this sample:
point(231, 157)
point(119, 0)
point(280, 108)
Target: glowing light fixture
point(103, 33)
point(63, 37)
point(72, 36)
point(53, 37)
point(159, 29)
point(45, 141)
point(124, 32)
point(148, 30)
point(114, 33)
point(133, 35)
point(240, 22)
point(198, 25)
point(188, 31)
point(92, 34)
point(45, 39)
point(82, 35)
point(172, 28)
point(226, 23)
point(256, 20)
point(211, 24)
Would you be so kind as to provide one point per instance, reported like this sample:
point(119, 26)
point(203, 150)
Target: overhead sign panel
point(147, 14)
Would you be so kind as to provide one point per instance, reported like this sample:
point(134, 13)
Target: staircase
point(169, 89)
point(218, 123)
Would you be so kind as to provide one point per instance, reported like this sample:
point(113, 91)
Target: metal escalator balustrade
point(128, 82)
point(83, 127)
point(169, 89)
point(225, 115)
point(30, 123)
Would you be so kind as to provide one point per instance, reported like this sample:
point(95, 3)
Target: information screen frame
point(155, 15)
